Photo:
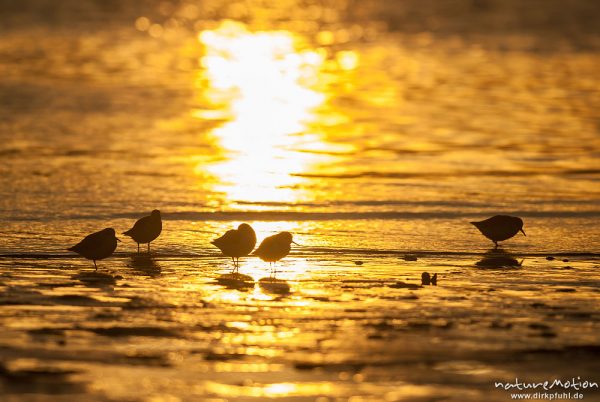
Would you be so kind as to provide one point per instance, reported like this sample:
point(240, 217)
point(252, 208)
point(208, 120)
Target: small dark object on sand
point(427, 279)
point(565, 260)
point(550, 258)
point(358, 262)
point(410, 257)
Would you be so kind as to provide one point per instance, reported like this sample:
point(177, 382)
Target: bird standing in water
point(97, 246)
point(146, 229)
point(274, 248)
point(500, 227)
point(236, 243)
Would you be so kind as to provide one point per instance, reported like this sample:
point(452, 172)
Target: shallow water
point(371, 131)
point(341, 330)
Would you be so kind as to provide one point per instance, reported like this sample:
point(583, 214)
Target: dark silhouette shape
point(500, 227)
point(498, 258)
point(96, 279)
point(97, 246)
point(236, 243)
point(404, 285)
point(235, 280)
point(274, 285)
point(274, 248)
point(145, 265)
point(427, 279)
point(146, 229)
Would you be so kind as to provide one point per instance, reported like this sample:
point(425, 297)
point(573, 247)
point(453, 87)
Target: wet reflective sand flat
point(163, 328)
point(373, 131)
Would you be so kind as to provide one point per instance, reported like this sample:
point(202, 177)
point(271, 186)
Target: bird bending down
point(97, 246)
point(500, 227)
point(146, 229)
point(274, 248)
point(236, 243)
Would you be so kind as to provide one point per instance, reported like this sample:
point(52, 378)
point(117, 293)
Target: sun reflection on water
point(262, 85)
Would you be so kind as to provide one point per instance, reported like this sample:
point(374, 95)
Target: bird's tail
point(71, 248)
point(127, 233)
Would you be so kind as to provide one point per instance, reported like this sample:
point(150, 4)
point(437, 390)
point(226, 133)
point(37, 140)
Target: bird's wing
point(140, 226)
point(87, 241)
point(265, 244)
point(229, 236)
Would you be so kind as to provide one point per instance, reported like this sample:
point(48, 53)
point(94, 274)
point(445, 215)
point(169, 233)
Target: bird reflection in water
point(274, 285)
point(96, 279)
point(144, 265)
point(237, 281)
point(500, 259)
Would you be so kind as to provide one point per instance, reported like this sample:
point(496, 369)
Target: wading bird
point(500, 227)
point(236, 243)
point(274, 248)
point(146, 229)
point(97, 246)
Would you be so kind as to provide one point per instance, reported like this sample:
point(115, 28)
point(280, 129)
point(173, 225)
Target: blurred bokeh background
point(359, 110)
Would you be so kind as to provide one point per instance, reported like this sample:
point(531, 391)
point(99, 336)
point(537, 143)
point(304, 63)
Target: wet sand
point(353, 324)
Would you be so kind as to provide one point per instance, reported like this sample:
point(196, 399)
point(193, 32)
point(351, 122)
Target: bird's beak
point(523, 232)
point(117, 238)
point(295, 243)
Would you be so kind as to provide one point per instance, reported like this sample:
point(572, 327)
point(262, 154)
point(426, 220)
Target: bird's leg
point(496, 243)
point(95, 266)
point(138, 248)
point(148, 247)
point(237, 264)
point(233, 270)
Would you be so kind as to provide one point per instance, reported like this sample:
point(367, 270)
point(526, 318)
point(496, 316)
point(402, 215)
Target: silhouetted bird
point(236, 243)
point(146, 229)
point(274, 248)
point(97, 246)
point(500, 227)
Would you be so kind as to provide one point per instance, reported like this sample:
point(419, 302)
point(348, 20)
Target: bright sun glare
point(264, 85)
